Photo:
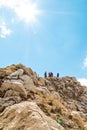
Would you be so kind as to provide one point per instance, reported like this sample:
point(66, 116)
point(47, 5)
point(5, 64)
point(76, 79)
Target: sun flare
point(25, 10)
point(28, 12)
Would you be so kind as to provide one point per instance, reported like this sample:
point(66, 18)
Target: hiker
point(45, 74)
point(57, 74)
point(51, 74)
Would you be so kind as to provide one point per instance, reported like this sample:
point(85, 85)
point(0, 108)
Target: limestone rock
point(26, 116)
point(15, 87)
point(85, 127)
point(59, 98)
point(28, 81)
point(16, 74)
point(78, 119)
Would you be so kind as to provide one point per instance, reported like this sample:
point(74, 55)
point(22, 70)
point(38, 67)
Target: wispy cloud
point(60, 12)
point(84, 63)
point(25, 10)
point(83, 81)
point(4, 31)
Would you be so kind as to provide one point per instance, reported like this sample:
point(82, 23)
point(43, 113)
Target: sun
point(28, 12)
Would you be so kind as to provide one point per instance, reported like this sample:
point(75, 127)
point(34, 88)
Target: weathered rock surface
point(26, 116)
point(29, 102)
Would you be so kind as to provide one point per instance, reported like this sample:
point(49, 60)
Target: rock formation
point(29, 102)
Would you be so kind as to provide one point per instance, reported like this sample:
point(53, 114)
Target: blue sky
point(46, 35)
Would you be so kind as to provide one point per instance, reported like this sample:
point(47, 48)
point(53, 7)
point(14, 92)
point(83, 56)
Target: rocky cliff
point(29, 102)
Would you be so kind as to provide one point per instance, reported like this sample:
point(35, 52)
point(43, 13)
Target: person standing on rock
point(51, 74)
point(45, 74)
point(57, 74)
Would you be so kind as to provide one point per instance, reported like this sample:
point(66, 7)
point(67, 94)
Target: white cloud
point(85, 63)
point(4, 31)
point(25, 10)
point(83, 81)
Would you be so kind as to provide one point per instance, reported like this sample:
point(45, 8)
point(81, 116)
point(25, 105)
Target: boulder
point(85, 126)
point(16, 74)
point(77, 118)
point(26, 116)
point(28, 81)
point(19, 88)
